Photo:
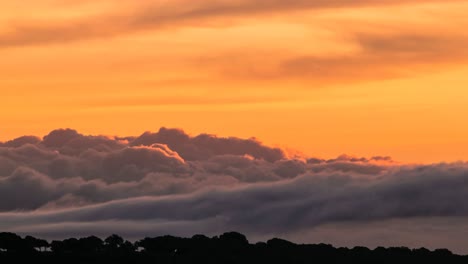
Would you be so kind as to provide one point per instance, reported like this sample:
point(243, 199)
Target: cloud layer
point(157, 14)
point(68, 183)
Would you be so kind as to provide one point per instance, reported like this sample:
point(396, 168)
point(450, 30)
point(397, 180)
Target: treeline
point(227, 248)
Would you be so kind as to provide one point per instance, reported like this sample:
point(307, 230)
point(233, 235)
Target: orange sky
point(323, 77)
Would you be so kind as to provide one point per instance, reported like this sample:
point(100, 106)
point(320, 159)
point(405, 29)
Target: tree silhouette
point(36, 243)
point(91, 244)
point(231, 247)
point(113, 242)
point(11, 242)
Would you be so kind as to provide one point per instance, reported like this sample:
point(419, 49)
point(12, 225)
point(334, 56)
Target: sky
point(324, 78)
point(331, 121)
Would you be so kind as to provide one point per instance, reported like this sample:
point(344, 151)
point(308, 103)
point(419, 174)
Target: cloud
point(57, 187)
point(69, 141)
point(342, 47)
point(67, 166)
point(288, 205)
point(378, 50)
point(380, 56)
point(148, 15)
point(18, 142)
point(204, 146)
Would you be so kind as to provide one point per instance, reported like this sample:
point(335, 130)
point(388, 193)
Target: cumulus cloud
point(67, 166)
point(18, 142)
point(206, 146)
point(69, 183)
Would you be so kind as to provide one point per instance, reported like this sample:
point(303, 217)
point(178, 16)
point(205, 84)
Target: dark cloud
point(18, 142)
point(70, 142)
point(98, 168)
point(305, 201)
point(290, 205)
point(25, 189)
point(139, 161)
point(58, 187)
point(205, 146)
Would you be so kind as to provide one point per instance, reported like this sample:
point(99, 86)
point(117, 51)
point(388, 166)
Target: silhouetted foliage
point(35, 243)
point(231, 247)
point(13, 243)
point(114, 241)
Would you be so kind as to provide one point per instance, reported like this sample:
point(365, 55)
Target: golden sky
point(324, 77)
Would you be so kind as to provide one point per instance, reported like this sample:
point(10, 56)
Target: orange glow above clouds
point(323, 77)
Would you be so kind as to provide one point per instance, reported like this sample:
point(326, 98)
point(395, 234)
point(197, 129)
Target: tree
point(128, 247)
point(114, 241)
point(234, 239)
point(91, 244)
point(12, 242)
point(36, 243)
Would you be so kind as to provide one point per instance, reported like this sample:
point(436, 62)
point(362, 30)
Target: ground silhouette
point(231, 247)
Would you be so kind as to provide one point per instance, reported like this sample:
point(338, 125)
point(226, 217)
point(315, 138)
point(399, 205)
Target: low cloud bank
point(170, 182)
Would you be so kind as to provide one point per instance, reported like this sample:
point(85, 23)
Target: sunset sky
point(319, 121)
point(322, 77)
